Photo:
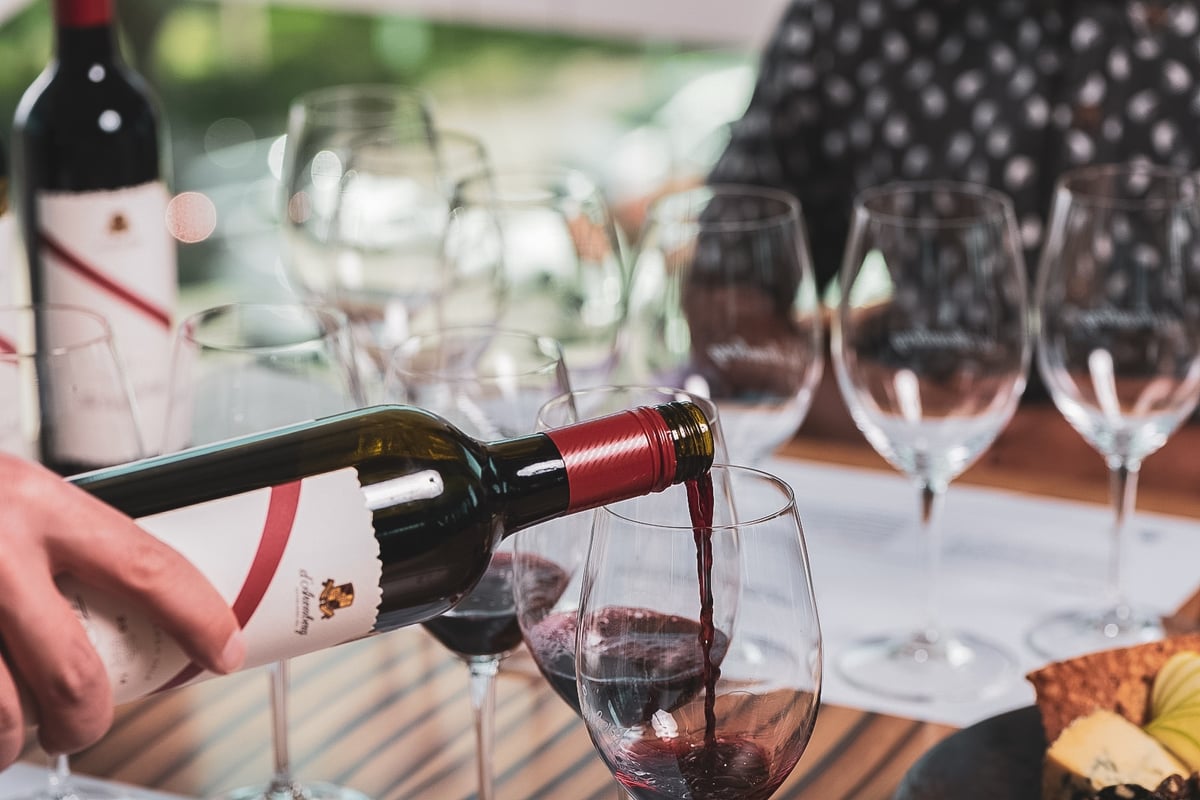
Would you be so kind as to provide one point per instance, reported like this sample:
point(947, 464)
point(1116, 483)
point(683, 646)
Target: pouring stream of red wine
point(700, 506)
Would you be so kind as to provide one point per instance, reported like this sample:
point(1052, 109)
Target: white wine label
point(298, 563)
point(110, 251)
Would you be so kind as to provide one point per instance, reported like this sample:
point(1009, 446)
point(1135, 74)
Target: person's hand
point(50, 528)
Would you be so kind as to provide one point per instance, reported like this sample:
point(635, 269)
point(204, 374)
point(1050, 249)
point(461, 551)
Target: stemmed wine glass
point(549, 240)
point(548, 559)
point(245, 368)
point(324, 127)
point(930, 344)
point(489, 383)
point(64, 401)
point(698, 655)
point(386, 262)
point(1119, 349)
point(723, 302)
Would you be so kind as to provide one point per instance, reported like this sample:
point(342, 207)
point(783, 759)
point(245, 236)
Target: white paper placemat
point(1010, 560)
point(23, 780)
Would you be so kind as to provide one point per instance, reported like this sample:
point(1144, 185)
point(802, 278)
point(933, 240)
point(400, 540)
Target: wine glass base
point(1074, 633)
point(294, 791)
point(951, 667)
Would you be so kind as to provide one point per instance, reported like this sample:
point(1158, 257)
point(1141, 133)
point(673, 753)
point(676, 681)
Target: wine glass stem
point(281, 779)
point(931, 498)
point(1123, 478)
point(60, 777)
point(483, 704)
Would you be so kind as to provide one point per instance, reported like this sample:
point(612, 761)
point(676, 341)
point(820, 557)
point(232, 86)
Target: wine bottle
point(327, 531)
point(92, 208)
point(8, 251)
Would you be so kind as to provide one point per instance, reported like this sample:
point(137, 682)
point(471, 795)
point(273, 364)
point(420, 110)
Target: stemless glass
point(244, 368)
point(930, 345)
point(548, 237)
point(693, 700)
point(1119, 349)
point(324, 128)
point(723, 302)
point(489, 383)
point(64, 401)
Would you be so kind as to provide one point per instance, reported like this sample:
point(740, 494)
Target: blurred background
point(637, 93)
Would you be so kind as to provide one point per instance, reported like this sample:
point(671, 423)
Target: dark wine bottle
point(8, 251)
point(92, 206)
point(327, 531)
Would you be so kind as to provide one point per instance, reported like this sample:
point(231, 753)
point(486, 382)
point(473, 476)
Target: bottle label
point(298, 563)
point(110, 251)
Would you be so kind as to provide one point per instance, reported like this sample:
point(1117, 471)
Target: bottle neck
point(601, 461)
point(84, 31)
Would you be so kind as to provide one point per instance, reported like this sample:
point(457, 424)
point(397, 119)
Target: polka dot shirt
point(1010, 93)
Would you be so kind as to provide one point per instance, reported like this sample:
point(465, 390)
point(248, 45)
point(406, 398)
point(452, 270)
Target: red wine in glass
point(484, 623)
point(663, 664)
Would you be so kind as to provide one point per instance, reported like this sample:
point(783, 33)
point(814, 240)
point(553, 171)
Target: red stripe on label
point(281, 515)
point(7, 347)
point(82, 268)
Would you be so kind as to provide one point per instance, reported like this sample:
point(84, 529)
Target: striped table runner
point(390, 717)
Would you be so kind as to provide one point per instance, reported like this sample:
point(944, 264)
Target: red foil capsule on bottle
point(616, 457)
point(83, 13)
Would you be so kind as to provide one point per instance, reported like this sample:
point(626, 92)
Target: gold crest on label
point(118, 223)
point(334, 597)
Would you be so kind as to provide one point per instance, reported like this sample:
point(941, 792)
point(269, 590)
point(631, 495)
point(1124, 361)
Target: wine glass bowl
point(548, 239)
point(931, 345)
point(387, 267)
point(685, 701)
point(1119, 348)
point(723, 303)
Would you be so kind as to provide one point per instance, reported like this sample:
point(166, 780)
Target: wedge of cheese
point(1104, 749)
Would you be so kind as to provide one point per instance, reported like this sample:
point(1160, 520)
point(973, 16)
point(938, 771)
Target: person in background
point(50, 528)
point(1008, 93)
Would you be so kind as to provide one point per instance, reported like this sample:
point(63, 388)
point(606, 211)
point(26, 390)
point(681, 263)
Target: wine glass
point(324, 128)
point(1119, 349)
point(64, 401)
point(244, 368)
point(489, 383)
point(930, 346)
point(548, 558)
point(549, 240)
point(699, 651)
point(386, 264)
point(723, 302)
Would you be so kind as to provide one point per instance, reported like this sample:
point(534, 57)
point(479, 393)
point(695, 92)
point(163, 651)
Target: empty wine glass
point(489, 383)
point(550, 241)
point(245, 368)
point(64, 401)
point(723, 302)
point(548, 558)
point(386, 260)
point(930, 344)
point(699, 650)
point(325, 127)
point(1118, 304)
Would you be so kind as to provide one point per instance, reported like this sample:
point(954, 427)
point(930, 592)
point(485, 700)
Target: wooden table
point(390, 716)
